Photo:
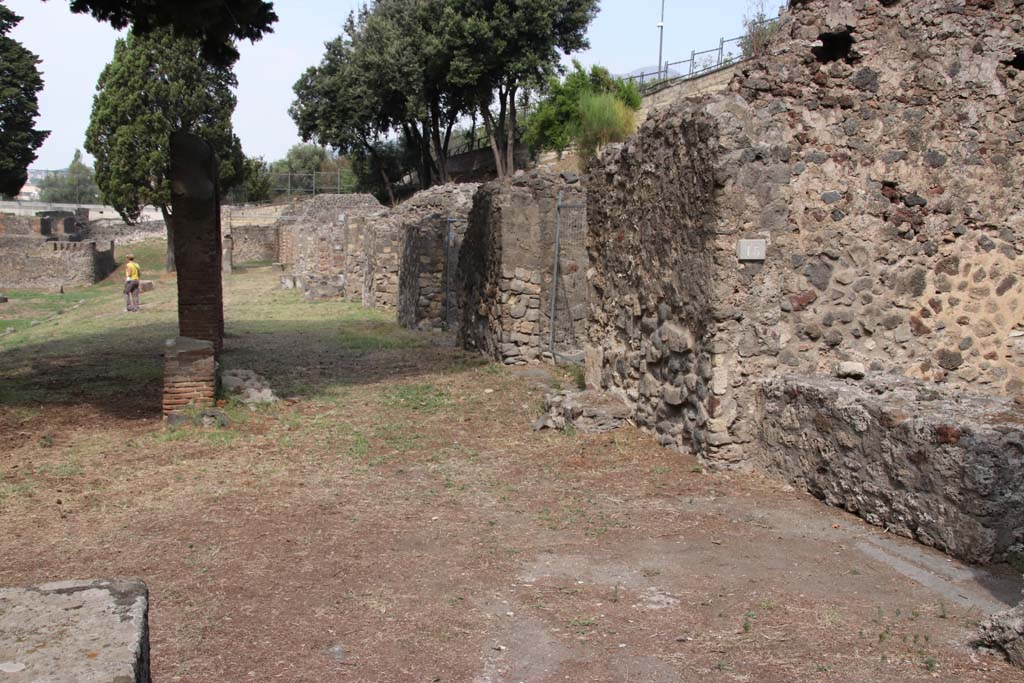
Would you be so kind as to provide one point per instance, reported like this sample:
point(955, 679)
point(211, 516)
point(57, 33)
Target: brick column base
point(190, 374)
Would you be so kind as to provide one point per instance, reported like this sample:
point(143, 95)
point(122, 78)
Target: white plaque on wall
point(751, 250)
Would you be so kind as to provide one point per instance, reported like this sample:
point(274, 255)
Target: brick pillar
point(195, 203)
point(190, 374)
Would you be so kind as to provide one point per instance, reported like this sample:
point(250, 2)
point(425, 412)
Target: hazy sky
point(74, 49)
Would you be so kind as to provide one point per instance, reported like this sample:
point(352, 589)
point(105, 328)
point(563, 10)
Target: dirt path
point(398, 521)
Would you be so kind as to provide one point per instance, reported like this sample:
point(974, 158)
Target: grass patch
point(422, 398)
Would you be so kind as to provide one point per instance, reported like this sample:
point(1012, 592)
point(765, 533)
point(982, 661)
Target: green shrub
point(760, 30)
point(555, 124)
point(603, 119)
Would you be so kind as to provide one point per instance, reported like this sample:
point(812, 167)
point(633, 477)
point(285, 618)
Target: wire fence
point(729, 51)
point(569, 285)
point(455, 230)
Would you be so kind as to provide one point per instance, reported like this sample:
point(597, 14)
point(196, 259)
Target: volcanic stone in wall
point(506, 269)
point(383, 251)
point(944, 469)
point(881, 177)
point(430, 254)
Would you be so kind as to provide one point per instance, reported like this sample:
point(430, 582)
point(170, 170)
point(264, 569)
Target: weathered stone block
point(944, 469)
point(77, 631)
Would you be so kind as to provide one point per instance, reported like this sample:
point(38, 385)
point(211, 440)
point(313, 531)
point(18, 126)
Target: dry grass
point(399, 509)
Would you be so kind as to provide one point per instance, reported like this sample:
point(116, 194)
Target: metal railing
point(319, 182)
point(729, 51)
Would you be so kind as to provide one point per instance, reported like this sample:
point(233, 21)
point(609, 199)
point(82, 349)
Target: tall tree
point(76, 185)
point(20, 84)
point(342, 104)
point(157, 84)
point(500, 47)
point(216, 24)
point(257, 180)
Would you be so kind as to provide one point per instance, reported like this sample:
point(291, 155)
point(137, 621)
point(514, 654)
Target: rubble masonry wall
point(36, 263)
point(506, 269)
point(876, 151)
point(946, 470)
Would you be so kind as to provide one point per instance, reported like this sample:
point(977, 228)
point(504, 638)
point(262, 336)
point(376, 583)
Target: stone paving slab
point(92, 631)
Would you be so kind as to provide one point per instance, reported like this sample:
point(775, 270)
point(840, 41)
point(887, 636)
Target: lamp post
point(661, 37)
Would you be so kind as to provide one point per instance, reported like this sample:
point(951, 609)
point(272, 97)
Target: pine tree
point(158, 84)
point(20, 83)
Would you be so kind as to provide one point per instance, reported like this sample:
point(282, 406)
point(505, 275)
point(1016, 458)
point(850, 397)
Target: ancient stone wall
point(433, 224)
point(21, 225)
point(120, 233)
point(947, 470)
point(430, 257)
point(711, 82)
point(59, 223)
point(37, 263)
point(853, 197)
point(254, 231)
point(255, 215)
point(324, 230)
point(382, 253)
point(506, 268)
point(254, 243)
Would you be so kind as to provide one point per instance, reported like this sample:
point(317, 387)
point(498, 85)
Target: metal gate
point(568, 284)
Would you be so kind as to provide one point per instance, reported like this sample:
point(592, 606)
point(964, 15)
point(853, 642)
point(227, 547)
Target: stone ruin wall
point(385, 238)
point(943, 469)
point(318, 231)
point(879, 167)
point(506, 265)
point(430, 244)
point(350, 246)
point(254, 231)
point(122, 234)
point(382, 252)
point(426, 294)
point(33, 254)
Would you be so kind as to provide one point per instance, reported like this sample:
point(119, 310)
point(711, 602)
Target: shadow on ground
point(120, 371)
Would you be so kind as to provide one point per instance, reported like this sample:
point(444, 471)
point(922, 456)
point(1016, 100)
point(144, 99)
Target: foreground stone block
point(945, 469)
point(588, 412)
point(1005, 631)
point(190, 374)
point(75, 632)
point(146, 286)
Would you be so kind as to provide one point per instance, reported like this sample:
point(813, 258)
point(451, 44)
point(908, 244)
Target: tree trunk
point(500, 128)
point(435, 137)
point(510, 153)
point(426, 158)
point(492, 138)
point(387, 184)
point(169, 222)
point(448, 140)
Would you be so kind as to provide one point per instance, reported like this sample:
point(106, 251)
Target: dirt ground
point(395, 519)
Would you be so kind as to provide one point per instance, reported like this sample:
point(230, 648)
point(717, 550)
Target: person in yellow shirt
point(131, 285)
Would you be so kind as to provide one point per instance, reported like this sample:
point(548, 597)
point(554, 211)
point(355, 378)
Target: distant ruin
point(350, 246)
point(48, 252)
